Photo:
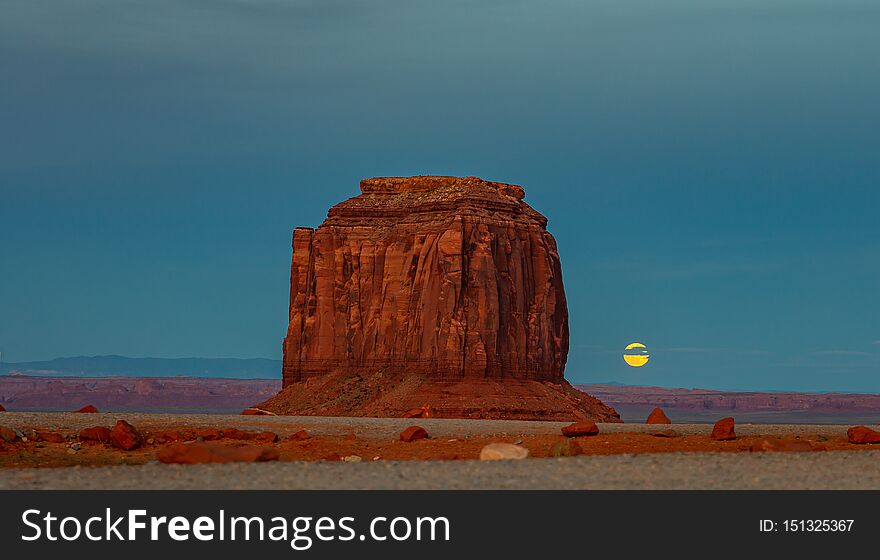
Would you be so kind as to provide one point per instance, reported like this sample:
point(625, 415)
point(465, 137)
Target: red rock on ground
point(332, 457)
point(7, 434)
point(723, 430)
point(657, 416)
point(125, 436)
point(49, 436)
point(235, 433)
point(88, 409)
point(266, 437)
point(862, 434)
point(566, 447)
point(424, 411)
point(199, 453)
point(445, 290)
point(253, 411)
point(98, 433)
point(208, 434)
point(168, 436)
point(413, 433)
point(299, 436)
point(579, 429)
point(2, 409)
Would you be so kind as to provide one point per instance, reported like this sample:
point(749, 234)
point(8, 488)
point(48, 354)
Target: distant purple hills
point(122, 366)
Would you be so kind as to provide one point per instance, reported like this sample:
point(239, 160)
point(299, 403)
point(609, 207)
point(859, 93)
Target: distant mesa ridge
point(112, 365)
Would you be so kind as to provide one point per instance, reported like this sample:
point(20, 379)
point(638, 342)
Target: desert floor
point(622, 456)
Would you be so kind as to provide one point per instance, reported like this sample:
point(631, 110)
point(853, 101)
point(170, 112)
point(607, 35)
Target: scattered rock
point(503, 452)
point(7, 435)
point(235, 433)
point(200, 453)
point(253, 411)
point(266, 437)
point(352, 459)
point(424, 411)
point(49, 436)
point(166, 437)
point(87, 409)
point(98, 433)
point(778, 444)
point(862, 434)
point(299, 436)
point(566, 448)
point(662, 433)
point(723, 430)
point(657, 416)
point(76, 446)
point(125, 436)
point(208, 434)
point(350, 436)
point(413, 433)
point(579, 429)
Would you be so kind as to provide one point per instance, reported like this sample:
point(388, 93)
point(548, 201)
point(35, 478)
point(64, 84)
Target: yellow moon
point(636, 354)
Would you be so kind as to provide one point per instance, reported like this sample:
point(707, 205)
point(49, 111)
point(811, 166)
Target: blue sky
point(709, 169)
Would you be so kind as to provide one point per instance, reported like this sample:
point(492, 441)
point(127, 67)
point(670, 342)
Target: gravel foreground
point(816, 470)
point(665, 471)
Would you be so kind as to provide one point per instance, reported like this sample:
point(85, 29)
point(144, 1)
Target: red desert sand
point(128, 444)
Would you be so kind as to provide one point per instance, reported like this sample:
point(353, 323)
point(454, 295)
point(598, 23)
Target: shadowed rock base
point(379, 394)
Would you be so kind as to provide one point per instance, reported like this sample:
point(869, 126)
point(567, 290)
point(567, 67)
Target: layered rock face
point(445, 279)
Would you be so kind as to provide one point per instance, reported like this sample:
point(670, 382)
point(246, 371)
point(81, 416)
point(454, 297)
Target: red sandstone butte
point(862, 434)
point(723, 429)
point(579, 429)
point(125, 436)
point(88, 409)
point(413, 433)
point(657, 416)
point(432, 289)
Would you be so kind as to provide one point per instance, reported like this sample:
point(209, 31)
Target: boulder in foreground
point(125, 436)
point(503, 452)
point(413, 433)
point(863, 434)
point(580, 429)
point(723, 430)
point(98, 433)
point(566, 447)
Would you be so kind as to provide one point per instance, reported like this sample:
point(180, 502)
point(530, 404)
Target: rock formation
point(451, 287)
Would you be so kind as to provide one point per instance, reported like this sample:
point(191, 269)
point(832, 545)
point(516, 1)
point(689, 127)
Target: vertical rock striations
point(444, 285)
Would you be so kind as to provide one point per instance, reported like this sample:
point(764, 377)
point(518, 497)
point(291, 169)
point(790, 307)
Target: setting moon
point(636, 354)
